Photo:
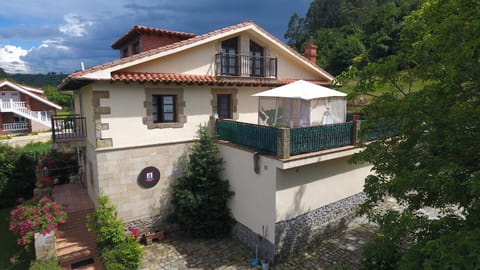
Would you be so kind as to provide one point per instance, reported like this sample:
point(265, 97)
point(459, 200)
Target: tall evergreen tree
point(200, 196)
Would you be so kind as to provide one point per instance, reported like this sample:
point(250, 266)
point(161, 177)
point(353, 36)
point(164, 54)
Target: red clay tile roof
point(75, 79)
point(139, 29)
point(200, 79)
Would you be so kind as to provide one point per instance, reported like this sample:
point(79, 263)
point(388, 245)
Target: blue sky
point(40, 36)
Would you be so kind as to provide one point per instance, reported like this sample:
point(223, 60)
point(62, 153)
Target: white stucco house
point(136, 117)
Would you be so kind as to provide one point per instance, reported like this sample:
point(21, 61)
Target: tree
point(200, 196)
point(63, 99)
point(296, 34)
point(434, 159)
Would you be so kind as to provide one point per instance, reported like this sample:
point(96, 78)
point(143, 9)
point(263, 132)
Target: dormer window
point(125, 52)
point(136, 48)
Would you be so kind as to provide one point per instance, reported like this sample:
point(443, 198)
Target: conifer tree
point(200, 196)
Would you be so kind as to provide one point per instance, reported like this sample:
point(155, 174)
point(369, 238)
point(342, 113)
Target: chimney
point(311, 51)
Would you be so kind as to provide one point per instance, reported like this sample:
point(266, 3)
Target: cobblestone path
point(176, 252)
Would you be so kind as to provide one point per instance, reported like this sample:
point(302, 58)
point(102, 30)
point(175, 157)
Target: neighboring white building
point(24, 109)
point(141, 114)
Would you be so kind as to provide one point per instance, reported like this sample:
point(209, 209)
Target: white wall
point(253, 204)
point(303, 189)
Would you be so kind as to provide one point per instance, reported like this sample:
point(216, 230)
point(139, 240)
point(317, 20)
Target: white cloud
point(75, 26)
point(10, 59)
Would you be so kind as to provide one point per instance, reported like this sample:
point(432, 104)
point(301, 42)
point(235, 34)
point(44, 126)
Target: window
point(257, 61)
point(224, 106)
point(125, 52)
point(18, 119)
point(230, 59)
point(136, 48)
point(164, 108)
point(224, 103)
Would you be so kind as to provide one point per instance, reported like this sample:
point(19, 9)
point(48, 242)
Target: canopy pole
point(259, 110)
point(276, 110)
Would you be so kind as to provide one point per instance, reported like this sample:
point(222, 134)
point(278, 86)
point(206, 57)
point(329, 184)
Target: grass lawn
point(9, 247)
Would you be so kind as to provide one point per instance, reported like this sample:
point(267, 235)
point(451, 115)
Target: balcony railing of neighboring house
point(245, 66)
point(7, 106)
point(284, 142)
point(68, 128)
point(18, 126)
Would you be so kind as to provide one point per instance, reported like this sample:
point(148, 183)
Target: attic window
point(125, 52)
point(136, 48)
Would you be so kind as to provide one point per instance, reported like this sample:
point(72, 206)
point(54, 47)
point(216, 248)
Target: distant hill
point(35, 80)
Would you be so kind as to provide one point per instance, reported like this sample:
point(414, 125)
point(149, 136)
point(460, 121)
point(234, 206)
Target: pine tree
point(200, 196)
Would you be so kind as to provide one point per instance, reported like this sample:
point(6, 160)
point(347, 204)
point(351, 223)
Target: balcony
point(69, 129)
point(286, 142)
point(17, 126)
point(245, 66)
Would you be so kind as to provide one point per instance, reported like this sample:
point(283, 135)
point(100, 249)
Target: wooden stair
point(76, 243)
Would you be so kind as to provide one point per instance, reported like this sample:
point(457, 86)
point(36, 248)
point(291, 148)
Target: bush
point(104, 223)
point(50, 264)
point(200, 197)
point(125, 255)
point(116, 249)
point(37, 150)
point(33, 217)
point(8, 158)
point(17, 172)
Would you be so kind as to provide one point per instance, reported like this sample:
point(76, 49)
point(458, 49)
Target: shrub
point(37, 150)
point(104, 223)
point(125, 255)
point(200, 196)
point(17, 173)
point(32, 217)
point(117, 250)
point(50, 264)
point(8, 157)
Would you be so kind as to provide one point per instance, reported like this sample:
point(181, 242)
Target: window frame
point(179, 106)
point(159, 102)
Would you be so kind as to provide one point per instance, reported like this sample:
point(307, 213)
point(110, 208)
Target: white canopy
point(301, 89)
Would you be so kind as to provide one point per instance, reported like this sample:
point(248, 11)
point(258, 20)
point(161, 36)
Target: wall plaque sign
point(148, 177)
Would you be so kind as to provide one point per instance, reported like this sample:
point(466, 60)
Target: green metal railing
point(312, 139)
point(260, 138)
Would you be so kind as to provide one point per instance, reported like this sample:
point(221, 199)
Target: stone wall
point(253, 240)
point(295, 234)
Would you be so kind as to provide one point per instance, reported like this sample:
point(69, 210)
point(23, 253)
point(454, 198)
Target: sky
point(41, 36)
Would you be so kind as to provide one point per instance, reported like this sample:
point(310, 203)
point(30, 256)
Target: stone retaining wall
point(252, 240)
point(294, 235)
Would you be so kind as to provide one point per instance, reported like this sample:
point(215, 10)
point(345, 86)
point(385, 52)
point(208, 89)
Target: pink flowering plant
point(42, 216)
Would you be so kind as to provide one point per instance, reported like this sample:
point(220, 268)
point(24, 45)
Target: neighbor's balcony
point(68, 128)
point(245, 66)
point(286, 142)
point(18, 126)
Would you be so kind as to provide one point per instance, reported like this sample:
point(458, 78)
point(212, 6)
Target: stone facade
point(294, 235)
point(118, 172)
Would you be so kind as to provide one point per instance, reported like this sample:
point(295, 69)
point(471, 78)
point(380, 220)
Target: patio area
point(179, 252)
